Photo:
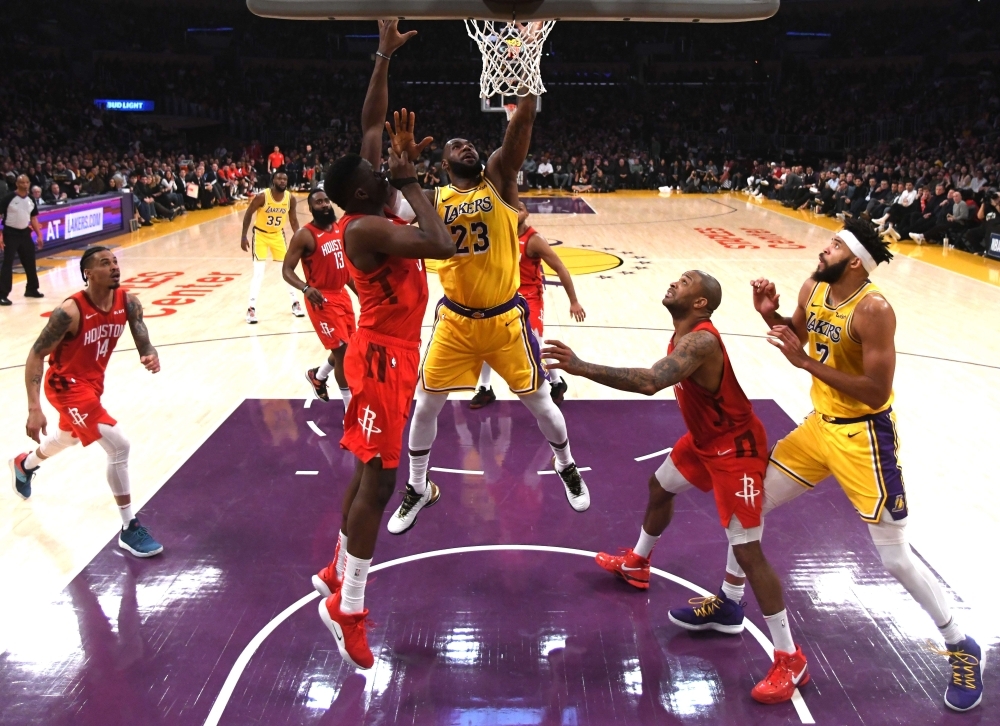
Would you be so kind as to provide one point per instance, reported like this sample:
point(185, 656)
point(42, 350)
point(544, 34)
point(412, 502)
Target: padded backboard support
point(705, 11)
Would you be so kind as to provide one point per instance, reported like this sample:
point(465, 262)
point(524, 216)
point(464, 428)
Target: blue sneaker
point(965, 689)
point(137, 540)
point(21, 477)
point(717, 612)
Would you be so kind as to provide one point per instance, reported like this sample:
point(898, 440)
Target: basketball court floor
point(491, 611)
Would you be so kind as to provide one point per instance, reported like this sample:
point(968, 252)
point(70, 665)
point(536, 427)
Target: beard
point(324, 217)
point(831, 273)
point(466, 171)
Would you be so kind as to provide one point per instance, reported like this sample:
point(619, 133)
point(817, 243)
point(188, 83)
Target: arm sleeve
point(402, 209)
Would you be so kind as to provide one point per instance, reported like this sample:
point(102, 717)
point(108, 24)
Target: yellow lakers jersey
point(271, 218)
point(831, 343)
point(484, 271)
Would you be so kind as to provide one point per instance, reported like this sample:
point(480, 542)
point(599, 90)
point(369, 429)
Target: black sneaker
point(34, 293)
point(319, 387)
point(5, 302)
point(484, 397)
point(558, 391)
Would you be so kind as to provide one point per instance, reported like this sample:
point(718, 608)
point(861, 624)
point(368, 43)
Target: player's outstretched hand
point(389, 38)
point(151, 362)
point(400, 166)
point(577, 311)
point(245, 244)
point(564, 357)
point(401, 134)
point(36, 423)
point(784, 339)
point(765, 297)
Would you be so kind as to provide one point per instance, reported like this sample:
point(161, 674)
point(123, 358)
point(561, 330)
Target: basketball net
point(511, 56)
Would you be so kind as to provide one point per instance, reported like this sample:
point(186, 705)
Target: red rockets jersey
point(532, 277)
point(84, 357)
point(326, 267)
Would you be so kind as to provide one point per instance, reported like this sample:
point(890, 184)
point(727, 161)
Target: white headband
point(867, 261)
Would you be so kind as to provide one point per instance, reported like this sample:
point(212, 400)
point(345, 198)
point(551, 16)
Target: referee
point(20, 216)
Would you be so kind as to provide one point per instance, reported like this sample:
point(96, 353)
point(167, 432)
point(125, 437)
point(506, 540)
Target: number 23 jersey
point(484, 271)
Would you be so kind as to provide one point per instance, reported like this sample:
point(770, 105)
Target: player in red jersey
point(535, 250)
point(725, 451)
point(385, 259)
point(79, 338)
point(320, 247)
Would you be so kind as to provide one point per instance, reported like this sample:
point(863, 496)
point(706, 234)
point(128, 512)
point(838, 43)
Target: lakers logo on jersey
point(271, 217)
point(823, 327)
point(476, 206)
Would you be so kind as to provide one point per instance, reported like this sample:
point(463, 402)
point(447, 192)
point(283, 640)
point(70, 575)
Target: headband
point(867, 261)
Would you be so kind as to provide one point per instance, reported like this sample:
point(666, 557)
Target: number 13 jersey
point(484, 271)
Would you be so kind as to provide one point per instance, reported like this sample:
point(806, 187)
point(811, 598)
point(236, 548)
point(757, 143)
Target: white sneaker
point(406, 516)
point(297, 310)
point(576, 488)
point(891, 231)
point(917, 237)
point(252, 316)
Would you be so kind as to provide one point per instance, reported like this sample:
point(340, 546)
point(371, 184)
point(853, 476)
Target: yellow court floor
point(193, 282)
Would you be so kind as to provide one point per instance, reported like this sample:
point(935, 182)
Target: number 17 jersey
point(484, 271)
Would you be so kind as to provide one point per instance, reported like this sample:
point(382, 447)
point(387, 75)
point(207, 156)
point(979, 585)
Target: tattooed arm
point(147, 353)
point(64, 320)
point(692, 350)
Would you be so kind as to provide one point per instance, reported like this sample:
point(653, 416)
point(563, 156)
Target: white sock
point(259, 266)
point(554, 376)
point(352, 593)
point(646, 543)
point(418, 472)
point(563, 456)
point(733, 592)
point(31, 461)
point(341, 555)
point(781, 633)
point(951, 632)
point(485, 375)
point(291, 294)
point(345, 393)
point(125, 510)
point(324, 371)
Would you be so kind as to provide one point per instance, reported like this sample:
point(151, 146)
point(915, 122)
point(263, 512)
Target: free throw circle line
point(226, 692)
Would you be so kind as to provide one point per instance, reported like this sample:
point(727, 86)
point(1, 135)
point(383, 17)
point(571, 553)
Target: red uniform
point(725, 448)
point(75, 379)
point(532, 283)
point(326, 270)
point(383, 358)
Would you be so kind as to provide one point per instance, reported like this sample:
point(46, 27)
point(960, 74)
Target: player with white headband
point(848, 329)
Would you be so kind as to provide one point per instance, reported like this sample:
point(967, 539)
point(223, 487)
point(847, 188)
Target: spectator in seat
point(977, 240)
point(561, 176)
point(54, 194)
point(530, 170)
point(36, 195)
point(953, 225)
point(544, 174)
point(623, 175)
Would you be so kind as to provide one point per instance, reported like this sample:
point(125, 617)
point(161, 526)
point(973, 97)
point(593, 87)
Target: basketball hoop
point(509, 109)
point(511, 56)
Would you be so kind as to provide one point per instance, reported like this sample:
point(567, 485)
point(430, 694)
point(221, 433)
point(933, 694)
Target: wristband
point(383, 55)
point(305, 288)
point(400, 183)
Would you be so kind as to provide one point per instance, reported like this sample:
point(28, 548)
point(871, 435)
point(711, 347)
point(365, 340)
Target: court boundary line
point(243, 660)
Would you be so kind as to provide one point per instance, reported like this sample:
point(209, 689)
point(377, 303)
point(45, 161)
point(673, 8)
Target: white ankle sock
point(31, 461)
point(733, 592)
point(418, 472)
point(563, 456)
point(781, 633)
point(951, 633)
point(485, 375)
point(352, 593)
point(125, 510)
point(341, 555)
point(646, 543)
point(324, 371)
point(291, 293)
point(259, 267)
point(345, 393)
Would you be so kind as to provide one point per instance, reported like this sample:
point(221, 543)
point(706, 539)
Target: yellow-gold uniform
point(269, 225)
point(481, 317)
point(844, 437)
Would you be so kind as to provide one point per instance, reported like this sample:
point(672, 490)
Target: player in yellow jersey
point(848, 329)
point(269, 213)
point(481, 318)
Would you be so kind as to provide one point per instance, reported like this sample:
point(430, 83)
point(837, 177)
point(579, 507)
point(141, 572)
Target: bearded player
point(269, 213)
point(724, 451)
point(848, 328)
point(320, 247)
point(79, 338)
point(535, 250)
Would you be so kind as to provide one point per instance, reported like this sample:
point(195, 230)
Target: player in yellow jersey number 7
point(481, 318)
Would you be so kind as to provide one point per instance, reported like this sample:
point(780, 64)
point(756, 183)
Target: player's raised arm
point(255, 204)
point(65, 320)
point(377, 98)
point(505, 162)
point(140, 334)
point(766, 299)
point(692, 350)
point(539, 247)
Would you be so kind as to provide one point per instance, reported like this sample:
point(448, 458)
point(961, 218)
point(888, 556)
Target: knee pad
point(670, 478)
point(737, 534)
point(52, 445)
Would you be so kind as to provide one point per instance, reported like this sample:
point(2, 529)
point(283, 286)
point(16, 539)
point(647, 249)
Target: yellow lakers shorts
point(862, 454)
point(460, 345)
point(265, 241)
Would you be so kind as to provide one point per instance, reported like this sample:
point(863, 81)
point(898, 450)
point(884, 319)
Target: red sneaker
point(788, 671)
point(349, 630)
point(630, 567)
point(326, 582)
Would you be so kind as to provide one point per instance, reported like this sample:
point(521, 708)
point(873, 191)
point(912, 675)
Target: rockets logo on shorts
point(325, 329)
point(368, 423)
point(748, 494)
point(77, 418)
